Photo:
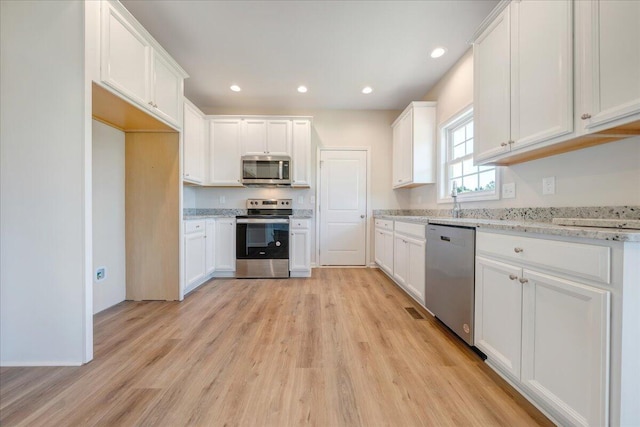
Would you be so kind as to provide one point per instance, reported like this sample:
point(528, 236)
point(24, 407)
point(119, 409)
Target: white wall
point(108, 216)
point(43, 204)
point(605, 175)
point(330, 128)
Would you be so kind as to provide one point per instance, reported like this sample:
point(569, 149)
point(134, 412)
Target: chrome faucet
point(456, 211)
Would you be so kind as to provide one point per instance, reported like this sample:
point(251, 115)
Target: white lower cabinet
point(548, 334)
point(409, 259)
point(498, 320)
point(225, 247)
point(209, 250)
point(384, 249)
point(210, 246)
point(194, 254)
point(401, 252)
point(299, 248)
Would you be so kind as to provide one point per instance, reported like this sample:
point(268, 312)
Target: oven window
point(262, 241)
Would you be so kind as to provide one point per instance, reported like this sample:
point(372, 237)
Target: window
point(472, 182)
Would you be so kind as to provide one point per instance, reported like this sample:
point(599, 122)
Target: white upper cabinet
point(166, 89)
point(224, 152)
point(414, 138)
point(609, 32)
point(193, 140)
point(301, 153)
point(523, 78)
point(135, 65)
point(125, 59)
point(232, 137)
point(267, 136)
point(491, 89)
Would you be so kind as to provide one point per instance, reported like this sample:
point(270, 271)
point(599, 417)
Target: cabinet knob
point(361, 216)
point(518, 250)
point(513, 277)
point(523, 280)
point(150, 103)
point(585, 116)
point(503, 144)
point(511, 141)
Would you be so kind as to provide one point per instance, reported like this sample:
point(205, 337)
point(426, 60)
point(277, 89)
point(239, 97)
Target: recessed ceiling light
point(235, 88)
point(367, 90)
point(302, 89)
point(438, 52)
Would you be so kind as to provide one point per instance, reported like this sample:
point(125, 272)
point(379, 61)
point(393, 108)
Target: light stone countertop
point(619, 235)
point(197, 217)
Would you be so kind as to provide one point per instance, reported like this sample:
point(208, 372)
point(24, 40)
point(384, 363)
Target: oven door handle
point(262, 221)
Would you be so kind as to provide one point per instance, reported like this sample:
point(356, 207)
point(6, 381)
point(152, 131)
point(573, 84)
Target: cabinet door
point(379, 247)
point(224, 160)
point(210, 246)
point(397, 153)
point(387, 260)
point(400, 260)
point(225, 248)
point(194, 255)
point(125, 57)
point(611, 35)
point(301, 153)
point(498, 314)
point(565, 349)
point(416, 268)
point(406, 149)
point(193, 145)
point(279, 137)
point(492, 91)
point(541, 71)
point(300, 251)
point(254, 141)
point(166, 90)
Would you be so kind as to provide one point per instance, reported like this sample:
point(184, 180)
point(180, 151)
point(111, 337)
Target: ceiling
point(335, 48)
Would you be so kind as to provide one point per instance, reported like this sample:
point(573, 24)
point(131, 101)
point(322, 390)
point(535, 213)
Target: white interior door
point(343, 207)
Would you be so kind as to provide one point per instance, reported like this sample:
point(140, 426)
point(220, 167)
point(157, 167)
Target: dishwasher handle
point(445, 238)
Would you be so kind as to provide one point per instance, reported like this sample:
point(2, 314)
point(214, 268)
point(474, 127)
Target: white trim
point(443, 195)
point(367, 242)
point(11, 364)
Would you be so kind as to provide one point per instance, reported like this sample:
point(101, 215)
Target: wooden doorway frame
point(367, 241)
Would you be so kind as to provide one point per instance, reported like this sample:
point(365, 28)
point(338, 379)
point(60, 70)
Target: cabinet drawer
point(577, 259)
point(411, 229)
point(384, 223)
point(194, 227)
point(299, 224)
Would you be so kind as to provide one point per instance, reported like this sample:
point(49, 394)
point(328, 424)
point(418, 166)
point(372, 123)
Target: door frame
point(367, 240)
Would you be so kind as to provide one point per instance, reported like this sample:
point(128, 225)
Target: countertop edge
point(618, 235)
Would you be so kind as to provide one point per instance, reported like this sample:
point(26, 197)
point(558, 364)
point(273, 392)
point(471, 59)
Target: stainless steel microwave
point(266, 170)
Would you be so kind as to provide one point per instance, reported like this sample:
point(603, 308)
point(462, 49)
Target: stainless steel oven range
point(262, 239)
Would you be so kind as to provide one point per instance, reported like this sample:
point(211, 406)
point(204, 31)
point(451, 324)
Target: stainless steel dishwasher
point(450, 280)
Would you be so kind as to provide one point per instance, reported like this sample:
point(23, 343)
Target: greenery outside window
point(457, 169)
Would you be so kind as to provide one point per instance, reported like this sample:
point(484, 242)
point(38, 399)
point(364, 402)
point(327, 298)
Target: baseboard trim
point(15, 364)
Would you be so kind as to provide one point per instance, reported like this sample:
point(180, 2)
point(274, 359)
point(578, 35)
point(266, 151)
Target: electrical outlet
point(509, 190)
point(223, 200)
point(301, 200)
point(312, 199)
point(101, 274)
point(549, 185)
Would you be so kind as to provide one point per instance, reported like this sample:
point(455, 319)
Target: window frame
point(444, 147)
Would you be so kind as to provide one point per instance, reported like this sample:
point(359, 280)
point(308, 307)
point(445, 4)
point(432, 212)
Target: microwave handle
point(280, 169)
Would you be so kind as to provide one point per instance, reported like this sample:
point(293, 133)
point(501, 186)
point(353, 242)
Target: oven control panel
point(269, 204)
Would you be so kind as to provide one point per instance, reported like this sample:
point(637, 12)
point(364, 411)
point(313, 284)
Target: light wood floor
point(338, 349)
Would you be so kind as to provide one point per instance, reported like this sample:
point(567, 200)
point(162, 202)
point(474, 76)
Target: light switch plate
point(223, 200)
point(549, 185)
point(509, 190)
